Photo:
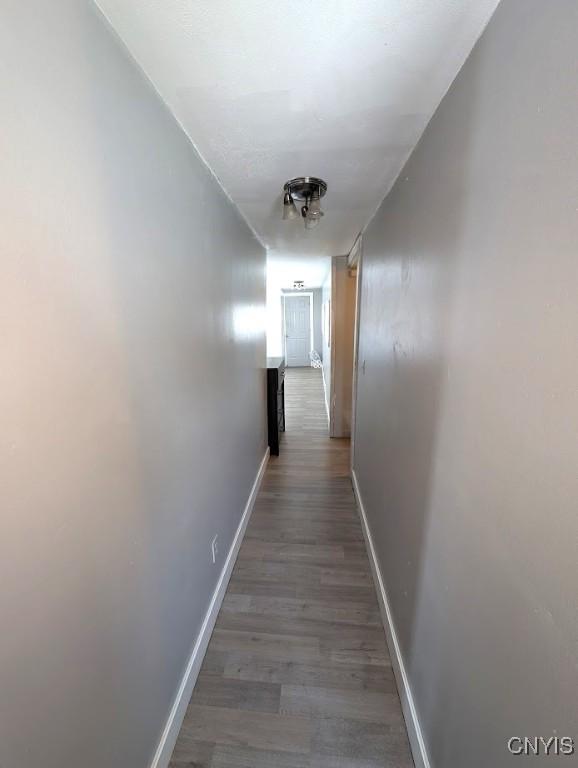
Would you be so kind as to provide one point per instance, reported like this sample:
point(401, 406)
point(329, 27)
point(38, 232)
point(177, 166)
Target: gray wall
point(131, 393)
point(467, 439)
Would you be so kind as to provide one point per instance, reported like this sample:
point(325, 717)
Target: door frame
point(355, 259)
point(309, 294)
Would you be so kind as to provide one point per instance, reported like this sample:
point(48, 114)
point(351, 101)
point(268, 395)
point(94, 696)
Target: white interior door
point(297, 330)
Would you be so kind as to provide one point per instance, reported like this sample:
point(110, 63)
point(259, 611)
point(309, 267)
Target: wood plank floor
point(297, 673)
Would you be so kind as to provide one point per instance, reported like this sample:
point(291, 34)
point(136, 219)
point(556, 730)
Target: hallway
point(297, 673)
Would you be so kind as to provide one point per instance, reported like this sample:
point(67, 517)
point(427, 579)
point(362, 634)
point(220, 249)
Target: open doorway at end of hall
point(298, 328)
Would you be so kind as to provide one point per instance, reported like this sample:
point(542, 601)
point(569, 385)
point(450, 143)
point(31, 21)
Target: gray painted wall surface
point(131, 393)
point(467, 437)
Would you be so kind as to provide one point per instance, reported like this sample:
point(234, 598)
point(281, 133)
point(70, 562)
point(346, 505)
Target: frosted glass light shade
point(311, 221)
point(314, 207)
point(289, 208)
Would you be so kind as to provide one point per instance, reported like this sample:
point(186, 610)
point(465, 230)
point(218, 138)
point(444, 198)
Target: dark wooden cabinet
point(275, 401)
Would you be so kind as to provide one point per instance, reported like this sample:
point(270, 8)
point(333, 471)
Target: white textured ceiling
point(266, 91)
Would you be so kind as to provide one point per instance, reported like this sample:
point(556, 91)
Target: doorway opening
point(297, 328)
point(298, 300)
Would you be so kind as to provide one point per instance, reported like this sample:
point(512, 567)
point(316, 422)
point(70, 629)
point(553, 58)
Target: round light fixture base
point(305, 187)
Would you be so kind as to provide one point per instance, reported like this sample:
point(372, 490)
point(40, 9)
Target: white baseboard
point(416, 740)
point(177, 714)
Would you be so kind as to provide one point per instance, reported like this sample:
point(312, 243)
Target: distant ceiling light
point(308, 189)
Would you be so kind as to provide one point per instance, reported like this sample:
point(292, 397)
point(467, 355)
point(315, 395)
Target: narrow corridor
point(297, 673)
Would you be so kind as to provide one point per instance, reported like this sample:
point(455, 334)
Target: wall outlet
point(214, 549)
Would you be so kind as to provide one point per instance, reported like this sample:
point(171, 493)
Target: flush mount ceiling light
point(306, 189)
